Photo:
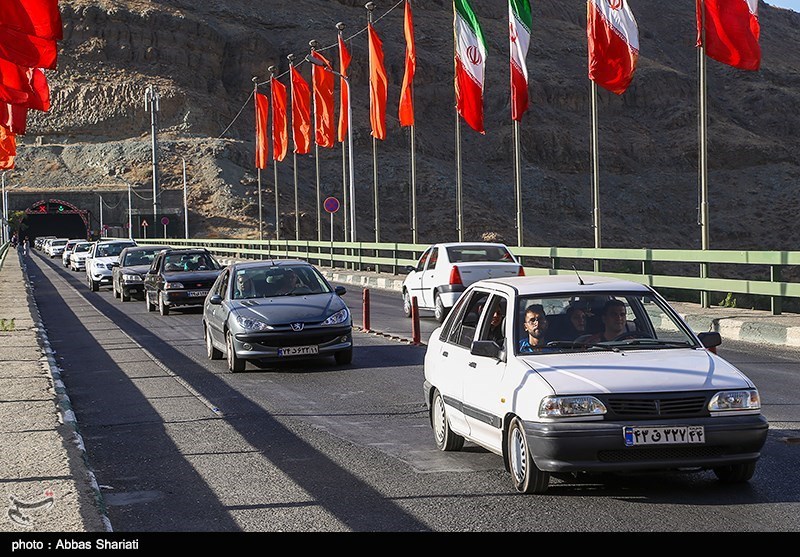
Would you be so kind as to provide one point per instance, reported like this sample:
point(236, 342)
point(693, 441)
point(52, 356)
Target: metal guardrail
point(756, 274)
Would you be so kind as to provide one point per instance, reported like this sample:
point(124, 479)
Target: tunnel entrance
point(54, 217)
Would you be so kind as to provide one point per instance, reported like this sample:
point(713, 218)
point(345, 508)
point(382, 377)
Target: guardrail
point(705, 274)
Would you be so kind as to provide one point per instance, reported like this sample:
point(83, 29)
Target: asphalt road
point(179, 445)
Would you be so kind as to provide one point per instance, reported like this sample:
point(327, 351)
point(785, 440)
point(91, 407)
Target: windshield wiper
point(574, 345)
point(653, 342)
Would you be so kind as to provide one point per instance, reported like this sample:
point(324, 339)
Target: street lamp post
point(316, 62)
point(151, 105)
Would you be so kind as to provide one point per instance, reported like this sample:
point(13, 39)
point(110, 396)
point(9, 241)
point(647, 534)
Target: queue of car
point(554, 374)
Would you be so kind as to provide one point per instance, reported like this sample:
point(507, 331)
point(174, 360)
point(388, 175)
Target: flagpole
point(518, 182)
point(595, 177)
point(371, 6)
point(294, 160)
point(272, 70)
point(340, 27)
point(459, 219)
point(703, 150)
point(313, 44)
point(258, 169)
point(413, 184)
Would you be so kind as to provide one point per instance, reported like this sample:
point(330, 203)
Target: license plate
point(298, 350)
point(663, 435)
point(197, 293)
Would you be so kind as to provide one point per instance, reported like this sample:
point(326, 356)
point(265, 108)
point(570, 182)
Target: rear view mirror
point(486, 348)
point(710, 339)
point(410, 268)
point(340, 290)
point(215, 299)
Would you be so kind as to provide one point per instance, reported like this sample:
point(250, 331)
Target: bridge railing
point(761, 277)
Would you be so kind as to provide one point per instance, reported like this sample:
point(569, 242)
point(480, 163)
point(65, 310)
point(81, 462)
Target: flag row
point(727, 30)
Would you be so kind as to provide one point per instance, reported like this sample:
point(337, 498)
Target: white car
point(103, 257)
point(654, 397)
point(70, 245)
point(78, 255)
point(445, 270)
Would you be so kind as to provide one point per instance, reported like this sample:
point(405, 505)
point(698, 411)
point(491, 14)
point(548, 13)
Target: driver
point(615, 320)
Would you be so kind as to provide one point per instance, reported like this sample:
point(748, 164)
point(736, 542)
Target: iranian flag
point(470, 59)
point(729, 30)
point(613, 44)
point(519, 35)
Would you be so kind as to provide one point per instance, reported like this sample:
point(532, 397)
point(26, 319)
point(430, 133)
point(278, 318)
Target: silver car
point(275, 310)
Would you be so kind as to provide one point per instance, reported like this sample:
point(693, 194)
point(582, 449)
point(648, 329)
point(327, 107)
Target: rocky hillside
point(202, 57)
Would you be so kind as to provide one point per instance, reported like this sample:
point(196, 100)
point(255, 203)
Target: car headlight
point(132, 278)
point(252, 324)
point(99, 266)
point(727, 401)
point(173, 285)
point(570, 406)
point(338, 317)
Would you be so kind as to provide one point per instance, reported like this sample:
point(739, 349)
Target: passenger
point(614, 318)
point(496, 332)
point(576, 322)
point(536, 326)
point(243, 288)
point(287, 283)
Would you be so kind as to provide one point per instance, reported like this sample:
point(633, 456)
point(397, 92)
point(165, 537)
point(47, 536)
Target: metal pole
point(413, 187)
point(345, 205)
point(258, 170)
point(101, 216)
point(290, 57)
point(272, 70)
point(130, 213)
point(376, 206)
point(350, 155)
point(313, 44)
point(459, 219)
point(518, 182)
point(703, 154)
point(185, 203)
point(151, 101)
point(595, 177)
point(4, 228)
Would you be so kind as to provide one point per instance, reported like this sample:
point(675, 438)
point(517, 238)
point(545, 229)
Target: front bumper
point(264, 346)
point(600, 446)
point(185, 297)
point(101, 276)
point(131, 287)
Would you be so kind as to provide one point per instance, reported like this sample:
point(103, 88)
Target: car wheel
point(736, 473)
point(344, 357)
point(163, 308)
point(124, 296)
point(93, 285)
point(440, 312)
point(526, 476)
point(213, 353)
point(114, 290)
point(407, 304)
point(150, 306)
point(235, 363)
point(446, 438)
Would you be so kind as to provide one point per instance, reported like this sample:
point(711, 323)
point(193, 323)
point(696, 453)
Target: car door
point(483, 378)
point(414, 279)
point(216, 314)
point(151, 278)
point(428, 280)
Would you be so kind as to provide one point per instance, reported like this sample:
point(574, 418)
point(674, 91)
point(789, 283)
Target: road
point(179, 445)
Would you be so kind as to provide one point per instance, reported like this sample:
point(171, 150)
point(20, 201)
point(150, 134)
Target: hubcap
point(518, 455)
point(439, 420)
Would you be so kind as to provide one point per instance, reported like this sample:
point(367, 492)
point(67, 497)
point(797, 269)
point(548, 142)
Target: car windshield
point(271, 281)
point(59, 243)
point(136, 258)
point(110, 250)
point(461, 254)
point(82, 247)
point(180, 262)
point(601, 321)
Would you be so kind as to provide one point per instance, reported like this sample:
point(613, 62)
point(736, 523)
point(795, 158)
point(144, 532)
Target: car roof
point(557, 284)
point(463, 244)
point(269, 263)
point(186, 250)
point(131, 249)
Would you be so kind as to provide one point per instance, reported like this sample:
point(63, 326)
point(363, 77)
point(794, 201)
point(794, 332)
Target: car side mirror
point(340, 290)
point(215, 299)
point(410, 268)
point(486, 348)
point(710, 339)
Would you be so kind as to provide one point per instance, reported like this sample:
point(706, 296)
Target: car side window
point(433, 258)
point(493, 327)
point(423, 260)
point(222, 284)
point(465, 326)
point(156, 263)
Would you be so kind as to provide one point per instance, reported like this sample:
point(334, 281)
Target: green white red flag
point(470, 60)
point(613, 38)
point(519, 35)
point(729, 30)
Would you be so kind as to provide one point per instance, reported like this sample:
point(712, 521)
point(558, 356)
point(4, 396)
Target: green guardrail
point(761, 277)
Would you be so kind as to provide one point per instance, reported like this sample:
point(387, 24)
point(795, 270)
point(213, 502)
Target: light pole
point(151, 101)
point(101, 216)
point(130, 212)
point(312, 60)
point(4, 227)
point(185, 203)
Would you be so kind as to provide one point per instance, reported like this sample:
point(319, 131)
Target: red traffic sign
point(105, 227)
point(164, 221)
point(144, 223)
point(331, 204)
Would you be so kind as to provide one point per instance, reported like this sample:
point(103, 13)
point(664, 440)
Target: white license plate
point(197, 293)
point(298, 350)
point(664, 435)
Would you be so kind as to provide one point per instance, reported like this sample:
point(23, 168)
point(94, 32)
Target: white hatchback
point(630, 388)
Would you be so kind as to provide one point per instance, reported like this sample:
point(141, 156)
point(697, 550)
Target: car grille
point(281, 340)
point(665, 405)
point(660, 454)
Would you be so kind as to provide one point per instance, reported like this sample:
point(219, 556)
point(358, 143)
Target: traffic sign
point(331, 204)
point(144, 223)
point(165, 221)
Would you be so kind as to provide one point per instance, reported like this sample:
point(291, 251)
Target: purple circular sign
point(164, 221)
point(331, 204)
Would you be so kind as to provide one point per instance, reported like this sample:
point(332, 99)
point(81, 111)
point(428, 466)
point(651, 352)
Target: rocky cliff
point(202, 57)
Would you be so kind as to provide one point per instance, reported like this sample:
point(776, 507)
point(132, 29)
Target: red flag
point(40, 18)
point(280, 133)
point(406, 109)
point(731, 32)
point(26, 50)
point(39, 90)
point(14, 118)
point(323, 101)
point(24, 86)
point(301, 113)
point(344, 89)
point(8, 149)
point(378, 84)
point(613, 39)
point(262, 146)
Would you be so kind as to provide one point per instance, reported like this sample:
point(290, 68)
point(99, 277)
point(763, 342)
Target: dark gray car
point(134, 262)
point(276, 310)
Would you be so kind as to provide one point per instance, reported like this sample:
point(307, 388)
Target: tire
point(235, 363)
point(527, 478)
point(150, 305)
point(163, 308)
point(124, 296)
point(344, 357)
point(406, 304)
point(93, 285)
point(114, 290)
point(736, 473)
point(212, 352)
point(440, 312)
point(446, 439)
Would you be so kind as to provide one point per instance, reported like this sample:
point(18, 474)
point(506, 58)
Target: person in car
point(615, 319)
point(575, 324)
point(496, 332)
point(536, 326)
point(287, 283)
point(244, 287)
